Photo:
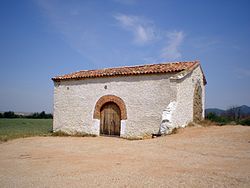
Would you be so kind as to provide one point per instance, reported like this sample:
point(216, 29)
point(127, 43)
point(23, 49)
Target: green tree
point(41, 115)
point(9, 114)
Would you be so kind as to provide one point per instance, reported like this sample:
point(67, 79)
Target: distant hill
point(243, 109)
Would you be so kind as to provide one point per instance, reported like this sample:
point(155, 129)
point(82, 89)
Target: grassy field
point(18, 128)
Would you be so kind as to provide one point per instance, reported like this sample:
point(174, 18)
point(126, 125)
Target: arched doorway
point(114, 105)
point(110, 119)
point(197, 106)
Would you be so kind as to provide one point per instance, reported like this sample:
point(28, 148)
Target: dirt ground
point(194, 157)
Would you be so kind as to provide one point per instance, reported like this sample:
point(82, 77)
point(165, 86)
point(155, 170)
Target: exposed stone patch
point(197, 108)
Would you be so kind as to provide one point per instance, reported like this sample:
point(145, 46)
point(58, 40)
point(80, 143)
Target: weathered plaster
point(123, 128)
point(183, 113)
point(167, 115)
point(145, 98)
point(96, 127)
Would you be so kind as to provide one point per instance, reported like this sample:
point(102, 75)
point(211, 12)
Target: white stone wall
point(145, 97)
point(185, 92)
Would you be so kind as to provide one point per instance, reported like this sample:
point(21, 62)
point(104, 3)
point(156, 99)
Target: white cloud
point(242, 73)
point(142, 29)
point(171, 51)
point(86, 37)
point(144, 32)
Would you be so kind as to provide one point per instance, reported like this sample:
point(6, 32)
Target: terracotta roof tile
point(130, 70)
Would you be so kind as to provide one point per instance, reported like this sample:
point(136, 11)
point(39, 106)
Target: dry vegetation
point(77, 134)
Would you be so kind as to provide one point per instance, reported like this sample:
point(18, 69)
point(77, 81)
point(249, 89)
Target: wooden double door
point(110, 121)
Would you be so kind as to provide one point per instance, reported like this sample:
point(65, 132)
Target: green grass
point(20, 128)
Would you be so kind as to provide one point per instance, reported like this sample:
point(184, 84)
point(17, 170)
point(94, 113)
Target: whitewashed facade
point(152, 103)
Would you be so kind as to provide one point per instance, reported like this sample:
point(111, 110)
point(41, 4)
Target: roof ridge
point(142, 65)
point(164, 67)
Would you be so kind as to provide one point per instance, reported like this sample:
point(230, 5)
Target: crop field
point(19, 128)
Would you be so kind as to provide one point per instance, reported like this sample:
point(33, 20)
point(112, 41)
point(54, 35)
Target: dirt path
point(195, 157)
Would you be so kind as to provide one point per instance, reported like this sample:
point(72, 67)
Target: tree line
point(233, 115)
point(36, 115)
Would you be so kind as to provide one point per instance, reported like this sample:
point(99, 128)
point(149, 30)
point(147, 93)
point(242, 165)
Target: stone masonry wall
point(197, 107)
point(185, 94)
point(145, 97)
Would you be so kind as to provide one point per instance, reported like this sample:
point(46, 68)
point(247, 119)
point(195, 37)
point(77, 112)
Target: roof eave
point(186, 72)
point(58, 79)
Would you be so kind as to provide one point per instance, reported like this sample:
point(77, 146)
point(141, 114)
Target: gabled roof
point(131, 70)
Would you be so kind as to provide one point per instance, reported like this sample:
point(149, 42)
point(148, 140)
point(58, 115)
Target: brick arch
point(110, 98)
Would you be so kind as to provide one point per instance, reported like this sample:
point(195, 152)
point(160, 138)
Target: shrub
point(190, 124)
point(207, 122)
point(174, 131)
point(3, 139)
point(60, 133)
point(222, 120)
point(245, 121)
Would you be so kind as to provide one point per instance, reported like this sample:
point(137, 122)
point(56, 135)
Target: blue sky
point(43, 38)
